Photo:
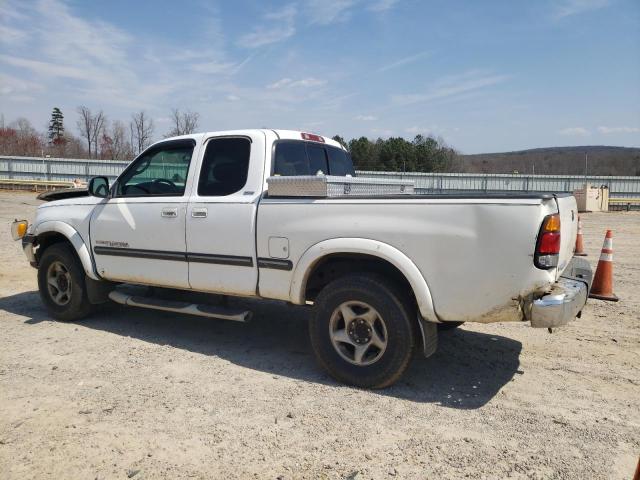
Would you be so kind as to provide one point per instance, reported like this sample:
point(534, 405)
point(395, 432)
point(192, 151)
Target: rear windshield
point(294, 158)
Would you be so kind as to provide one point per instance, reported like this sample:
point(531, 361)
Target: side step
point(201, 310)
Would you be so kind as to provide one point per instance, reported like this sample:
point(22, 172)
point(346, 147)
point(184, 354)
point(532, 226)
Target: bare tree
point(184, 123)
point(99, 121)
point(141, 129)
point(20, 138)
point(90, 126)
point(120, 148)
point(85, 125)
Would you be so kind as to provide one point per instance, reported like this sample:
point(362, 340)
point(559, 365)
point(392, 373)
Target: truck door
point(221, 215)
point(138, 235)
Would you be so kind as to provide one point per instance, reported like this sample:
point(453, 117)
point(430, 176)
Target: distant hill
point(602, 160)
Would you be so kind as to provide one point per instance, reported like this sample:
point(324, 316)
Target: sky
point(486, 76)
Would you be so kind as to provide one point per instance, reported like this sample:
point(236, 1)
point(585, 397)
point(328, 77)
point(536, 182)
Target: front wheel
point(61, 283)
point(362, 332)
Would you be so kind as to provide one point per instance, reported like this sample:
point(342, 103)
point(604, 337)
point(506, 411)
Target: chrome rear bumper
point(567, 298)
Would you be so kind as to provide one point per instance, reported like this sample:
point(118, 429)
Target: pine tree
point(56, 126)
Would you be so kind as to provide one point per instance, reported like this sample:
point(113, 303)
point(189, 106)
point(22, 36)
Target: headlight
point(19, 229)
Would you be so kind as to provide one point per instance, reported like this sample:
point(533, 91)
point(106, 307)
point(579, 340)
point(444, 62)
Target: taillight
point(548, 244)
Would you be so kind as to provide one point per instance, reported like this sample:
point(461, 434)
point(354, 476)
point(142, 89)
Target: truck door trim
point(175, 256)
point(220, 259)
point(140, 253)
point(275, 264)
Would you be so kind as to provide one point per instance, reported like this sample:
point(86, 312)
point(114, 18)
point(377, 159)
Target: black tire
point(399, 318)
point(447, 326)
point(77, 304)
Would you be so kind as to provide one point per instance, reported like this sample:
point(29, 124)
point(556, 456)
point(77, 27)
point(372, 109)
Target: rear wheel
point(61, 283)
point(362, 331)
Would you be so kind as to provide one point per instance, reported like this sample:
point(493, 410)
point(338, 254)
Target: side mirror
point(99, 187)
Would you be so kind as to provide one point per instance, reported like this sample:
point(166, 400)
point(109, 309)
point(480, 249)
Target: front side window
point(225, 166)
point(161, 171)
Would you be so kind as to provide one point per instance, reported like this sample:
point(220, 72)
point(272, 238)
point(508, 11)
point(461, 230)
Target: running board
point(200, 310)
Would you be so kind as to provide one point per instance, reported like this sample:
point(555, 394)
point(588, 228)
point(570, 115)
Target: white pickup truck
point(381, 274)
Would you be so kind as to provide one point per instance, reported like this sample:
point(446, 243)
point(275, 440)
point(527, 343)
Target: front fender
point(74, 238)
point(363, 246)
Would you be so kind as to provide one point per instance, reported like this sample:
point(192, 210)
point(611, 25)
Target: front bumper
point(567, 298)
point(28, 248)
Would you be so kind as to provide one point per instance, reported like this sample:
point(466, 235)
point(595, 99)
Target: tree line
point(97, 137)
point(396, 154)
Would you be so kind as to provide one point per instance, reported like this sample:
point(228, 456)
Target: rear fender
point(363, 246)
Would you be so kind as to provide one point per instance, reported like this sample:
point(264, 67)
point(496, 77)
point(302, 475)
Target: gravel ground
point(137, 394)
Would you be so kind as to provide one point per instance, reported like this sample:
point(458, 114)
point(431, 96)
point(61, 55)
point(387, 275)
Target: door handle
point(199, 213)
point(169, 212)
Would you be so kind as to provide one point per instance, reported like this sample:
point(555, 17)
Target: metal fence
point(65, 169)
point(619, 187)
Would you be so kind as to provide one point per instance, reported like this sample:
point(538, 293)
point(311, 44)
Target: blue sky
point(485, 75)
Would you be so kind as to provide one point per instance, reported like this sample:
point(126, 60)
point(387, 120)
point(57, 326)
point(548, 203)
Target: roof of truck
point(280, 133)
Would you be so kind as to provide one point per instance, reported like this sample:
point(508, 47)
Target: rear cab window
point(295, 158)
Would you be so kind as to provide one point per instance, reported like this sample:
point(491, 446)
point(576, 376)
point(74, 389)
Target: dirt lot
point(133, 393)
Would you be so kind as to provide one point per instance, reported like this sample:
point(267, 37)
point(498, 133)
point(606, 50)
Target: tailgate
point(568, 210)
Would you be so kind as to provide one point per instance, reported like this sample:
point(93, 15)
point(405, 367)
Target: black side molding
point(175, 256)
point(275, 264)
point(139, 253)
point(220, 259)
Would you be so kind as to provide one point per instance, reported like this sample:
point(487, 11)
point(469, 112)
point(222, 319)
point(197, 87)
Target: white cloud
point(382, 132)
point(382, 5)
point(567, 8)
point(575, 132)
point(404, 61)
point(18, 90)
point(324, 12)
point(303, 83)
point(46, 69)
point(213, 68)
point(365, 118)
point(415, 130)
point(432, 131)
point(12, 36)
point(610, 130)
point(233, 98)
point(106, 65)
point(280, 25)
point(451, 86)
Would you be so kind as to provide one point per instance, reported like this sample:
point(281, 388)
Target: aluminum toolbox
point(334, 186)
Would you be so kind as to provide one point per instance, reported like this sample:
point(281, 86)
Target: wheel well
point(334, 266)
point(47, 239)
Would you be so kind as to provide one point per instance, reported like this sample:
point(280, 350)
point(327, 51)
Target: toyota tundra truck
point(381, 274)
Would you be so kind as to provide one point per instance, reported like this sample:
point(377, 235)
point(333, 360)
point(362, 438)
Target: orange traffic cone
point(579, 250)
point(602, 287)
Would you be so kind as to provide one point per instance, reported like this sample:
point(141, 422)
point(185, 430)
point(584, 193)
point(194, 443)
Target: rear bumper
point(567, 298)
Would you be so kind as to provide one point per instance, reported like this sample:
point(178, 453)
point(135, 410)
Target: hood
point(63, 193)
point(73, 200)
